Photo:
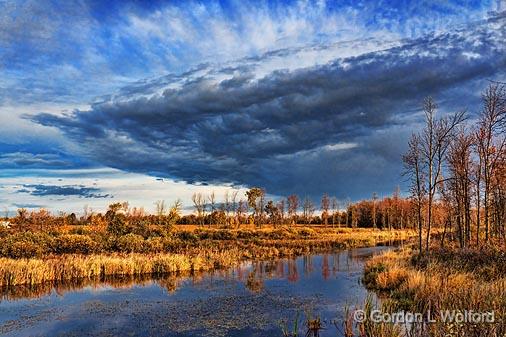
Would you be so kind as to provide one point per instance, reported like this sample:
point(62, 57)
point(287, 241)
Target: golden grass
point(434, 288)
point(211, 249)
point(68, 267)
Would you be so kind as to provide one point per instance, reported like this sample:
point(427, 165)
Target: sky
point(104, 101)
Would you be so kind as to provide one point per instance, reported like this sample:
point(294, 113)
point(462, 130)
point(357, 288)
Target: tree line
point(458, 165)
point(392, 212)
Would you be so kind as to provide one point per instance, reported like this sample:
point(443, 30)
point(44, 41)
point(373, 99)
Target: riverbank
point(445, 280)
point(59, 257)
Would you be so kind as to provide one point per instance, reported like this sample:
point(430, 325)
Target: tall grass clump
point(63, 268)
point(433, 284)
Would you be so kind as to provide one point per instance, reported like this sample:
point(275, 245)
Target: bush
point(223, 234)
point(26, 245)
point(118, 225)
point(79, 230)
point(247, 234)
point(159, 231)
point(154, 245)
point(188, 236)
point(306, 232)
point(75, 244)
point(130, 243)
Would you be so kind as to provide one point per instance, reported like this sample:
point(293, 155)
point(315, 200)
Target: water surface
point(253, 299)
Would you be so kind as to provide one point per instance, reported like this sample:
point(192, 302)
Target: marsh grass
point(435, 283)
point(367, 328)
point(85, 256)
point(14, 272)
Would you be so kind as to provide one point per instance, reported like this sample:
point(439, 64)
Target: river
point(252, 299)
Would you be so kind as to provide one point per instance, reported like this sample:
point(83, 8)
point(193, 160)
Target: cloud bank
point(337, 125)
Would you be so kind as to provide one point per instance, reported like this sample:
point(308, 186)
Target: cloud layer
point(295, 96)
point(336, 126)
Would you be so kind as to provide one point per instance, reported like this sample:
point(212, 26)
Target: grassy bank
point(68, 267)
point(33, 258)
point(449, 279)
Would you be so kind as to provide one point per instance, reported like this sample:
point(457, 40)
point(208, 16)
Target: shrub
point(75, 244)
point(306, 232)
point(154, 245)
point(247, 234)
point(223, 235)
point(130, 243)
point(118, 225)
point(79, 230)
point(188, 236)
point(26, 245)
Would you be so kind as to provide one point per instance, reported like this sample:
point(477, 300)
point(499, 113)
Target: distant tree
point(242, 209)
point(256, 200)
point(308, 210)
point(293, 205)
point(174, 213)
point(281, 208)
point(325, 206)
point(113, 210)
point(374, 213)
point(234, 205)
point(272, 211)
point(199, 203)
point(212, 201)
point(227, 205)
point(160, 207)
point(349, 212)
point(335, 209)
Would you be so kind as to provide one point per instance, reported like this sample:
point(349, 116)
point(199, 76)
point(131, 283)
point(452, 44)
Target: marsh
point(253, 299)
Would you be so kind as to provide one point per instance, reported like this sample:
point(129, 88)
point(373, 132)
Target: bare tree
point(242, 208)
point(281, 208)
point(491, 142)
point(413, 168)
point(293, 205)
point(226, 206)
point(325, 206)
point(234, 203)
point(374, 213)
point(460, 166)
point(335, 208)
point(212, 201)
point(435, 140)
point(308, 210)
point(349, 211)
point(161, 209)
point(199, 203)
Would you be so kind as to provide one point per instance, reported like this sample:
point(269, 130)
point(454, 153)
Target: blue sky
point(140, 101)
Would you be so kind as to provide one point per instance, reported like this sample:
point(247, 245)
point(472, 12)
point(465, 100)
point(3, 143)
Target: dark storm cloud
point(338, 127)
point(64, 190)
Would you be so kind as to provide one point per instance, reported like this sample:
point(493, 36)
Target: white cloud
point(139, 190)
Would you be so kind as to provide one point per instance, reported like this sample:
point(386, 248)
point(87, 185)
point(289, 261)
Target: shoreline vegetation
point(178, 251)
point(470, 280)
